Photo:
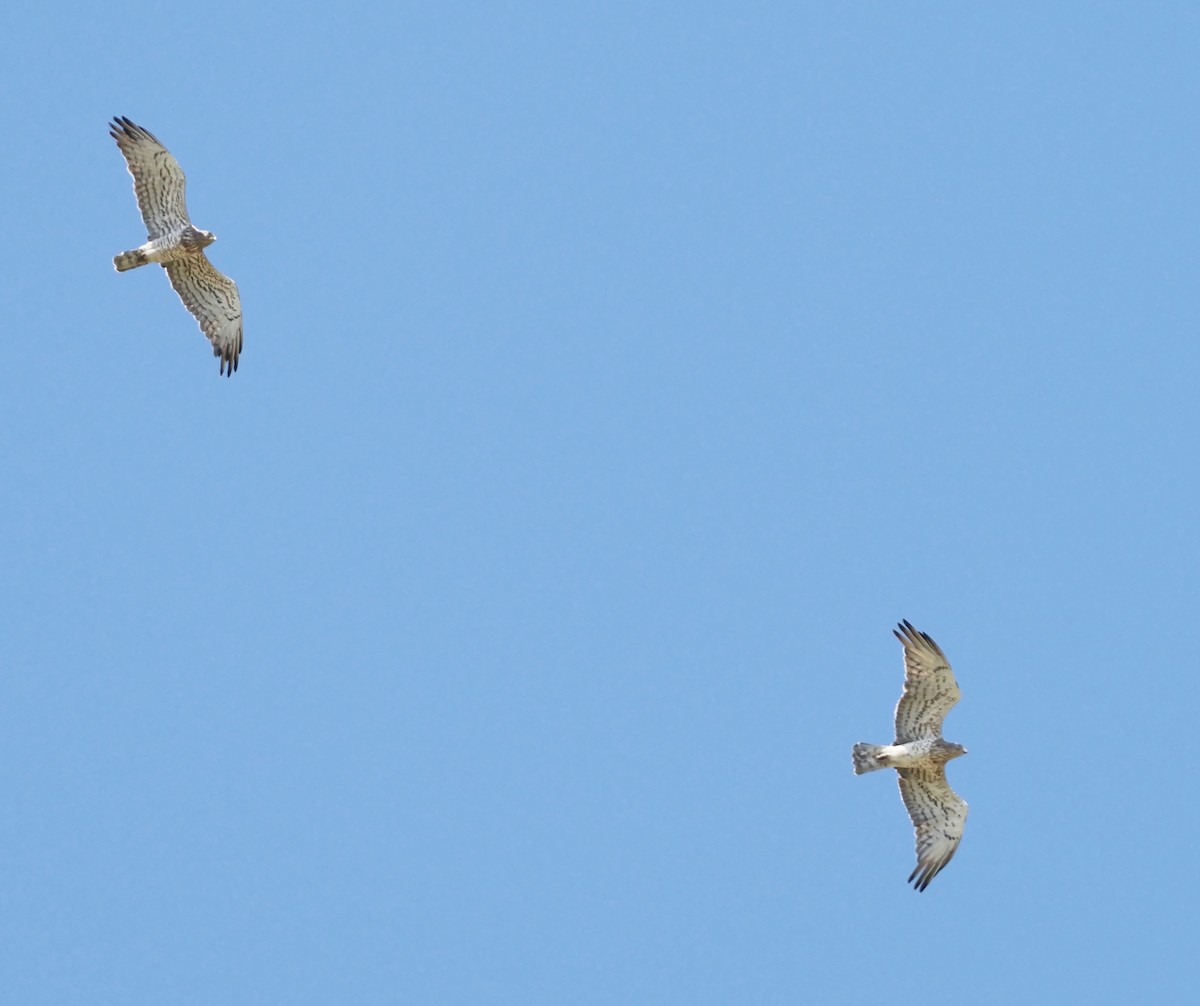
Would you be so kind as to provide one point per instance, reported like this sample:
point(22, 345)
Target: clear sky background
point(615, 377)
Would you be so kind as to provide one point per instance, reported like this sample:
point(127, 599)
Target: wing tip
point(922, 876)
point(230, 356)
point(910, 635)
point(927, 869)
point(124, 128)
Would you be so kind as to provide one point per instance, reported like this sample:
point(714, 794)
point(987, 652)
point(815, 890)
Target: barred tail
point(130, 260)
point(866, 758)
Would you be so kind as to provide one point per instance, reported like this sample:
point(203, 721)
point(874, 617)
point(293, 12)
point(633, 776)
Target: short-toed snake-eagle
point(919, 754)
point(176, 245)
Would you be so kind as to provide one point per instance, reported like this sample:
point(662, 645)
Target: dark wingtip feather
point(130, 129)
point(908, 633)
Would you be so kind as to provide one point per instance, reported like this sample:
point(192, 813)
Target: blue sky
point(615, 377)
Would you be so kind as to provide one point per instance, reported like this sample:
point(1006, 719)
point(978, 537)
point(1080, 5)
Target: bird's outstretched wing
point(158, 180)
point(938, 815)
point(930, 690)
point(213, 299)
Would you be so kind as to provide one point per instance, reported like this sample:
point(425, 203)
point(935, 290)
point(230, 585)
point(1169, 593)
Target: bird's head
point(196, 238)
point(946, 750)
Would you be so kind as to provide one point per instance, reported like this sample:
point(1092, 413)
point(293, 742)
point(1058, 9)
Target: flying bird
point(919, 754)
point(158, 183)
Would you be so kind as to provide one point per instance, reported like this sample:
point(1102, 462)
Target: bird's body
point(914, 754)
point(176, 245)
point(919, 754)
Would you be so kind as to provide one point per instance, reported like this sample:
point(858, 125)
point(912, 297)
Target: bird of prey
point(176, 245)
point(919, 754)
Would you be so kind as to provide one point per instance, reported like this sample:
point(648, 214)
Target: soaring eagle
point(919, 754)
point(176, 245)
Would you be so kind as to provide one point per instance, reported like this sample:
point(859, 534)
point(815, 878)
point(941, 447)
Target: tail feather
point(866, 758)
point(130, 260)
